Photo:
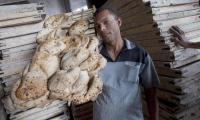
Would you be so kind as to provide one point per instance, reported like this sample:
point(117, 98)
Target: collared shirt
point(121, 95)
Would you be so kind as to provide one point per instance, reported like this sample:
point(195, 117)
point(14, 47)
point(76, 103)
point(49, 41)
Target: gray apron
point(121, 96)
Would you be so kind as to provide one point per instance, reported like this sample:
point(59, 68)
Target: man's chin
point(108, 40)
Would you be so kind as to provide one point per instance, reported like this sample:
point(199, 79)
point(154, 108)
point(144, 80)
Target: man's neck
point(115, 48)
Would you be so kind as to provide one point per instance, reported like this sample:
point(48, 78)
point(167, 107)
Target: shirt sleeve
point(148, 75)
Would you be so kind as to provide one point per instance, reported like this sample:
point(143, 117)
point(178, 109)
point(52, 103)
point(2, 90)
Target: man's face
point(107, 26)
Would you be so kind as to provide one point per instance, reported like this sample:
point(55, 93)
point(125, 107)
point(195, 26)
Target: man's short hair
point(113, 11)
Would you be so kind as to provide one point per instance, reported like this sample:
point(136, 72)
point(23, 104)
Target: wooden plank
point(182, 82)
point(21, 15)
point(163, 57)
point(185, 71)
point(178, 56)
point(186, 27)
point(19, 8)
point(154, 42)
point(185, 20)
point(189, 114)
point(61, 117)
point(21, 21)
point(189, 35)
point(179, 99)
point(15, 65)
point(137, 20)
point(37, 111)
point(18, 49)
point(176, 15)
point(162, 3)
point(141, 37)
point(173, 9)
point(135, 11)
point(186, 88)
point(44, 115)
point(17, 70)
point(139, 29)
point(149, 34)
point(175, 64)
point(13, 62)
point(17, 41)
point(11, 78)
point(118, 3)
point(129, 5)
point(23, 56)
point(10, 2)
point(164, 49)
point(20, 30)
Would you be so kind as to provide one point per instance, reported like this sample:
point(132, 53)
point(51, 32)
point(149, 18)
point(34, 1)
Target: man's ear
point(119, 20)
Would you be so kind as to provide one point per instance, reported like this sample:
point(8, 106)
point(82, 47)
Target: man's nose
point(102, 27)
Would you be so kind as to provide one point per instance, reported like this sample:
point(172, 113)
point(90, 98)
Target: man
point(128, 67)
point(181, 39)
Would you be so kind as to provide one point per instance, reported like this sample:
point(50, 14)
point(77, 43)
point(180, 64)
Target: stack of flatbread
point(65, 66)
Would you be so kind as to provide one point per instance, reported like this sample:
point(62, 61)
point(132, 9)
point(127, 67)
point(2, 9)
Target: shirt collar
point(127, 46)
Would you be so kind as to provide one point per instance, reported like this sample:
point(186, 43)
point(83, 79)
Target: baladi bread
point(26, 104)
point(53, 47)
point(60, 85)
point(32, 85)
point(95, 86)
point(49, 64)
point(43, 35)
point(79, 27)
point(93, 44)
point(94, 63)
point(75, 42)
point(55, 20)
point(74, 58)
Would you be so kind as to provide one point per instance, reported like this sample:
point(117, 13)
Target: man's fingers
point(179, 42)
point(178, 29)
point(176, 33)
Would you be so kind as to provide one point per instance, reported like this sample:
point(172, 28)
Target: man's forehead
point(103, 15)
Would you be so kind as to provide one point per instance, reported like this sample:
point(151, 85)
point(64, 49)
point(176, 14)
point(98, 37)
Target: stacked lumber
point(19, 25)
point(147, 22)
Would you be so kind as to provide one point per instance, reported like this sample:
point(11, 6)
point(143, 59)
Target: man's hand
point(152, 103)
point(179, 36)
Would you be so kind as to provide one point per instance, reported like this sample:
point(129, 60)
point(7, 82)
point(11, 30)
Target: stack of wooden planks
point(19, 25)
point(147, 22)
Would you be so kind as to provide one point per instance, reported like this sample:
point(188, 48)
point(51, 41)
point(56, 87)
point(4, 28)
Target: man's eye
point(106, 22)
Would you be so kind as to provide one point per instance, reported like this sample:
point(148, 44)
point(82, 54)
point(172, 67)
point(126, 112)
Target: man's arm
point(181, 39)
point(152, 103)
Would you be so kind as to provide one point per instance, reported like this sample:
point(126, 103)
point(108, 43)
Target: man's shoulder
point(134, 47)
point(135, 52)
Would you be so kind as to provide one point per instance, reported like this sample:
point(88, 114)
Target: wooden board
point(176, 15)
point(9, 51)
point(26, 55)
point(174, 9)
point(21, 15)
point(7, 9)
point(161, 3)
point(37, 111)
point(178, 63)
point(138, 29)
point(179, 99)
point(185, 71)
point(21, 21)
point(20, 30)
point(14, 65)
point(17, 41)
point(180, 21)
point(185, 27)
